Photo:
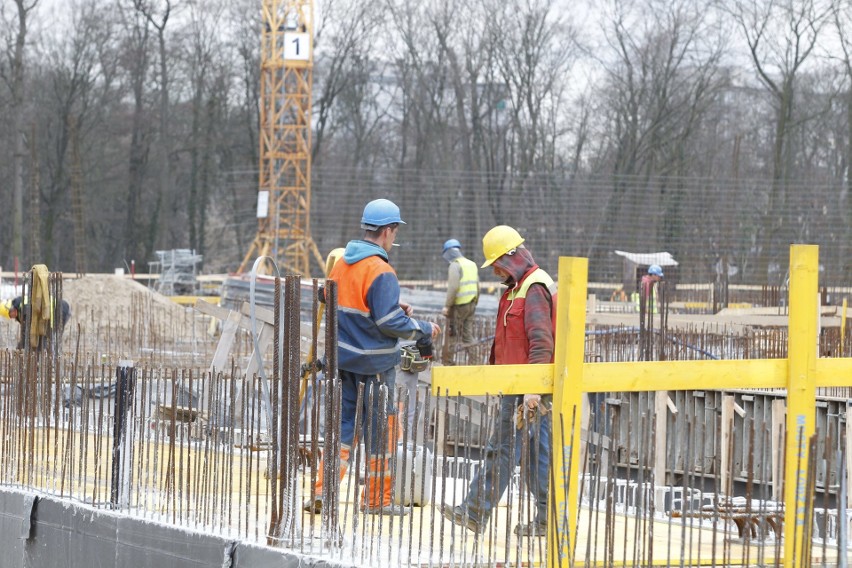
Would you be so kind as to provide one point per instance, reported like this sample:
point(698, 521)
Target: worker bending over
point(14, 309)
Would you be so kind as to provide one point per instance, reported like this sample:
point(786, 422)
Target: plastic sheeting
point(648, 258)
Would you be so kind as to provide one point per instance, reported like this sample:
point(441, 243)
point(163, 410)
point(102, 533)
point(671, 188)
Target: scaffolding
point(178, 269)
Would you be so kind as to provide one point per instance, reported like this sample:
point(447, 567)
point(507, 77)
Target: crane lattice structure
point(284, 192)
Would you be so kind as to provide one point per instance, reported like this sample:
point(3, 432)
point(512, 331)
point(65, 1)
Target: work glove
point(530, 410)
point(445, 312)
point(532, 400)
point(310, 366)
point(424, 346)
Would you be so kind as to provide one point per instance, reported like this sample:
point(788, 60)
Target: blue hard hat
point(450, 244)
point(380, 212)
point(655, 270)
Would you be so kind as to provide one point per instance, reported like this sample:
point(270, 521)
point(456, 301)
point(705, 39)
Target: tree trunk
point(18, 131)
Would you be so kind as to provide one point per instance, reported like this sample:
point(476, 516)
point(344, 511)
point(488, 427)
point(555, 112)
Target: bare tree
point(157, 14)
point(136, 62)
point(781, 35)
point(205, 49)
point(76, 85)
point(535, 54)
point(661, 75)
point(842, 18)
point(15, 79)
point(465, 32)
point(345, 40)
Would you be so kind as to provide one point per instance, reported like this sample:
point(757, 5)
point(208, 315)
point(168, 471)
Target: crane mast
point(284, 180)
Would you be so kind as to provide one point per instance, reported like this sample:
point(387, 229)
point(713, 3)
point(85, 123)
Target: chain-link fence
point(714, 228)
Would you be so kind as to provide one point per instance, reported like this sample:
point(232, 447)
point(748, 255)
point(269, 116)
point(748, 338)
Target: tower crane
point(284, 180)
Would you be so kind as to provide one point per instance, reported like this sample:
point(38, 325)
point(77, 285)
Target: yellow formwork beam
point(569, 377)
point(801, 397)
point(567, 408)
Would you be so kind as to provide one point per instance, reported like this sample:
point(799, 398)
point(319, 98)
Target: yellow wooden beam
point(801, 397)
point(493, 379)
point(567, 409)
point(625, 376)
point(833, 372)
point(684, 375)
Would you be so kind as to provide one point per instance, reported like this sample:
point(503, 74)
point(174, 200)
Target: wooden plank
point(779, 417)
point(264, 339)
point(725, 445)
point(661, 399)
point(683, 375)
point(264, 315)
point(209, 309)
point(226, 341)
point(848, 457)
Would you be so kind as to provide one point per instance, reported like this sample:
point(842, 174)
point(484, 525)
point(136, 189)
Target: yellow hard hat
point(498, 241)
point(332, 259)
point(5, 306)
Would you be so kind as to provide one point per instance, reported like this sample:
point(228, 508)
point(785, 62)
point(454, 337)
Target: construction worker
point(14, 309)
point(618, 295)
point(371, 321)
point(462, 296)
point(648, 289)
point(647, 306)
point(524, 334)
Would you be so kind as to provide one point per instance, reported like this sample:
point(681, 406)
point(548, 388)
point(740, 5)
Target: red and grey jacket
point(370, 320)
point(526, 314)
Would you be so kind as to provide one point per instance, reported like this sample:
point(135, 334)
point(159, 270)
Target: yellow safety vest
point(636, 298)
point(469, 283)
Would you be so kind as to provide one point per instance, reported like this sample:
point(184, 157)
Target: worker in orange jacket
point(371, 321)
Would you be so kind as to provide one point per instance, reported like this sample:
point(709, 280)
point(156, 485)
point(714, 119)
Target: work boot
point(459, 516)
point(316, 505)
point(377, 490)
point(535, 528)
point(313, 506)
point(391, 509)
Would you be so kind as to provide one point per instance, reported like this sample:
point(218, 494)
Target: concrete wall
point(45, 532)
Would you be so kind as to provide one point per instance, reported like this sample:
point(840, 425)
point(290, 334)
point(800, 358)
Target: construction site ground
point(106, 307)
point(424, 536)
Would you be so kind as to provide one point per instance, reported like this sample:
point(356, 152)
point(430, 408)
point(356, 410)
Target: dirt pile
point(118, 301)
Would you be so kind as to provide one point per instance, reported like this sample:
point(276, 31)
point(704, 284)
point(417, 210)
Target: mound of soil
point(117, 301)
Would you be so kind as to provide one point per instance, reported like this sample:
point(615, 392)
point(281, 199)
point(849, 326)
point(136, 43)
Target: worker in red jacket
point(524, 334)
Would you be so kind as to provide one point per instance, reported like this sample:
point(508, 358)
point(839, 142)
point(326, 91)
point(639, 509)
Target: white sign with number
point(263, 204)
point(297, 46)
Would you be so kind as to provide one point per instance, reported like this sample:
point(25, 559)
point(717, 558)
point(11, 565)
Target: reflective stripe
point(355, 311)
point(354, 349)
point(412, 335)
point(469, 282)
point(391, 315)
point(537, 276)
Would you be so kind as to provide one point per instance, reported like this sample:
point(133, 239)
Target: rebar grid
point(205, 457)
